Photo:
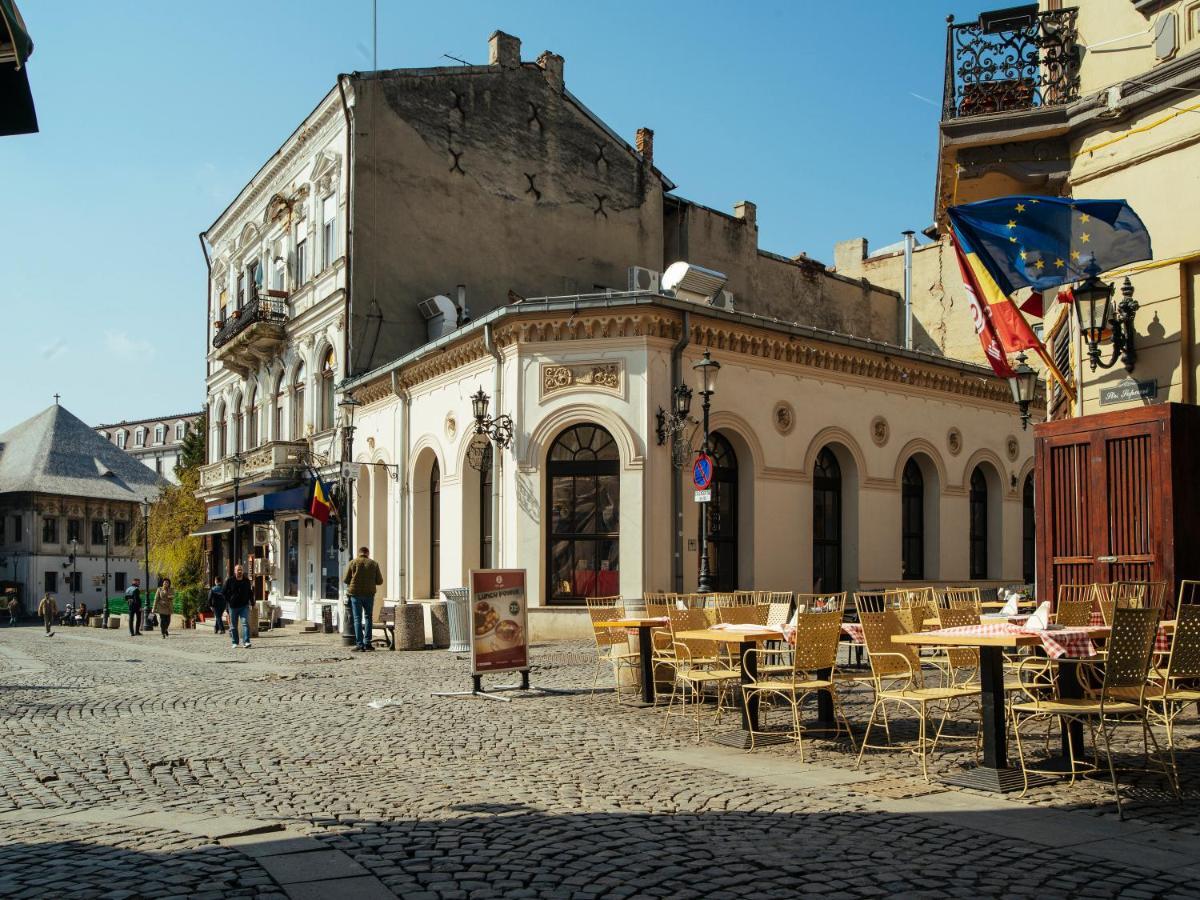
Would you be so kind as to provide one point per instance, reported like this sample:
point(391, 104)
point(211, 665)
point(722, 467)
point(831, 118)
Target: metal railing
point(259, 309)
point(1011, 61)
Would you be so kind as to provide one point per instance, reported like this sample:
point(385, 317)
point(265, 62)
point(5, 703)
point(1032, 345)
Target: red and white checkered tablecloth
point(1162, 640)
point(854, 631)
point(1076, 642)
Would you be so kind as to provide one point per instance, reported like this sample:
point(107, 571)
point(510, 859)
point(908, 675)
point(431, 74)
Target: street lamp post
point(347, 405)
point(74, 571)
point(236, 458)
point(146, 555)
point(708, 369)
point(106, 528)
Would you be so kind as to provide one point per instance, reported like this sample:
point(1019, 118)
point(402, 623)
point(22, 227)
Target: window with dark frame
point(723, 516)
point(827, 523)
point(119, 581)
point(17, 532)
point(1028, 532)
point(485, 508)
point(435, 530)
point(120, 533)
point(291, 557)
point(97, 532)
point(74, 530)
point(978, 505)
point(912, 521)
point(49, 530)
point(583, 534)
point(51, 581)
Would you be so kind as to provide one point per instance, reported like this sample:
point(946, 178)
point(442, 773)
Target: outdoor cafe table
point(995, 774)
point(746, 639)
point(645, 649)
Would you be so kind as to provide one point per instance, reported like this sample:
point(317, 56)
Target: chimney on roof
point(747, 212)
point(504, 50)
point(552, 65)
point(645, 144)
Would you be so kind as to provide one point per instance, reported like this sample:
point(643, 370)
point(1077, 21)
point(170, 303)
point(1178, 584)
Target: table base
point(996, 781)
point(740, 740)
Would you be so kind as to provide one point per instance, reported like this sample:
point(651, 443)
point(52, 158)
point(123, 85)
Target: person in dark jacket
point(216, 599)
point(239, 594)
point(133, 599)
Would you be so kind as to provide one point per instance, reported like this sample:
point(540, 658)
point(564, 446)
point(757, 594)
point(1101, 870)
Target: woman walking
point(164, 605)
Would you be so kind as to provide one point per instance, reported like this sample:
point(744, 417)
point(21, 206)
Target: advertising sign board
point(500, 627)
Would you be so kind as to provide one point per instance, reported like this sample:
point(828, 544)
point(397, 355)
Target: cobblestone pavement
point(142, 767)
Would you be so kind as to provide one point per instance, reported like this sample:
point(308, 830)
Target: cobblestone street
point(144, 767)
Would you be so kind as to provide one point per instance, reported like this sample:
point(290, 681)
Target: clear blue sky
point(153, 115)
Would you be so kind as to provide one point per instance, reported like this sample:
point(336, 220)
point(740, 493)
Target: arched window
point(979, 524)
point(435, 530)
point(222, 432)
point(486, 477)
point(277, 404)
point(252, 418)
point(1028, 532)
point(298, 403)
point(722, 515)
point(912, 521)
point(238, 418)
point(325, 392)
point(827, 523)
point(584, 492)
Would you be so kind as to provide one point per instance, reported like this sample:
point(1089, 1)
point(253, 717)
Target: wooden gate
point(1115, 498)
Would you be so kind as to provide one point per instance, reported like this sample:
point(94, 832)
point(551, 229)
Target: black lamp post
point(236, 459)
point(74, 569)
point(708, 369)
point(146, 554)
point(348, 404)
point(106, 528)
point(1023, 383)
point(1097, 319)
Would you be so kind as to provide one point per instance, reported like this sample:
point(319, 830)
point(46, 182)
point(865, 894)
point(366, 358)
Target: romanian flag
point(981, 315)
point(1010, 326)
point(319, 507)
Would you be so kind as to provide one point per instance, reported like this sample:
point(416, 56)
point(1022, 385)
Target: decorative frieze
point(592, 376)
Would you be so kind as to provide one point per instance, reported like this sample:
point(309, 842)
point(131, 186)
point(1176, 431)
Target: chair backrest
point(911, 618)
point(743, 615)
point(878, 630)
point(743, 598)
point(1130, 644)
point(604, 603)
point(1184, 662)
point(820, 602)
point(1140, 594)
point(915, 596)
point(607, 637)
point(956, 617)
point(963, 598)
point(776, 597)
point(1189, 592)
point(657, 610)
point(1074, 613)
point(817, 636)
point(777, 614)
point(1075, 593)
point(693, 619)
point(873, 601)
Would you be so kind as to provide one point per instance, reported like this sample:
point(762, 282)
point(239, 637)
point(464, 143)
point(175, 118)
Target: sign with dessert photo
point(500, 632)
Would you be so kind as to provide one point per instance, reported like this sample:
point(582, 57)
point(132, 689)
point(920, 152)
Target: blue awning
point(263, 507)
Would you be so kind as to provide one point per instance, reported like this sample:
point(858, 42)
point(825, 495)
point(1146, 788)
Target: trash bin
point(439, 625)
point(458, 605)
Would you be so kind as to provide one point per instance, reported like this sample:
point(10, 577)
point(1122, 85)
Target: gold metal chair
point(874, 601)
point(896, 672)
point(1074, 613)
point(1113, 698)
point(691, 678)
point(821, 602)
point(960, 665)
point(740, 598)
point(1178, 684)
point(1141, 594)
point(743, 615)
point(1189, 593)
point(963, 598)
point(612, 645)
point(811, 672)
point(703, 653)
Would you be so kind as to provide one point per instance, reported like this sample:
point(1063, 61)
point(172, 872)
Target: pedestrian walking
point(14, 608)
point(164, 605)
point(133, 600)
point(216, 600)
point(239, 594)
point(363, 577)
point(48, 610)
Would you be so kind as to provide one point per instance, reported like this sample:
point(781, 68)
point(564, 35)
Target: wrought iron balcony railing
point(260, 309)
point(1011, 60)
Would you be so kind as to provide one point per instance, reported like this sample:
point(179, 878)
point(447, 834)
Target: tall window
point(51, 582)
point(1028, 532)
point(74, 530)
point(325, 391)
point(160, 434)
point(979, 517)
point(237, 424)
point(139, 438)
point(328, 230)
point(222, 432)
point(277, 404)
point(291, 557)
point(254, 270)
point(584, 488)
point(241, 290)
point(827, 523)
point(119, 581)
point(435, 529)
point(121, 439)
point(252, 418)
point(120, 533)
point(301, 256)
point(50, 531)
point(912, 521)
point(278, 266)
point(298, 403)
point(486, 480)
point(180, 431)
point(97, 533)
point(722, 513)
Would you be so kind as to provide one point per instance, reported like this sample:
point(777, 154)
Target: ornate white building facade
point(156, 443)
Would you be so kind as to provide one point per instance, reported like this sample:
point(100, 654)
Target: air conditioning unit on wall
point(643, 279)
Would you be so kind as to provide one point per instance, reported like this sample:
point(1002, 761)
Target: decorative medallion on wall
point(597, 376)
point(783, 417)
point(451, 426)
point(1012, 448)
point(954, 441)
point(880, 430)
point(370, 443)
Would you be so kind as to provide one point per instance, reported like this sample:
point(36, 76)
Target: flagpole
point(1068, 389)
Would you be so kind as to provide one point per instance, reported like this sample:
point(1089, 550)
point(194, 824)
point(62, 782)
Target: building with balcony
point(68, 498)
point(156, 443)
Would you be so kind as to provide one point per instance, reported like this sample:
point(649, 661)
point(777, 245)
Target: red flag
point(981, 315)
point(318, 508)
point(1034, 305)
point(1066, 296)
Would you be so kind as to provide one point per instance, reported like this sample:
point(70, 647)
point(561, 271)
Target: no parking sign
point(702, 472)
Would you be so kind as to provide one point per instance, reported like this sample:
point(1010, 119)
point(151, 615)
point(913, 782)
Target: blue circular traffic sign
point(702, 471)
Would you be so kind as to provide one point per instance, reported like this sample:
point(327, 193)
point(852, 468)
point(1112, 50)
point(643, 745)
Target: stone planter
point(410, 627)
point(439, 624)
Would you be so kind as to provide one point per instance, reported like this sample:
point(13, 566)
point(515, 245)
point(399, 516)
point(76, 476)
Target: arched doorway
point(978, 502)
point(435, 530)
point(912, 521)
point(723, 516)
point(485, 508)
point(1028, 532)
point(583, 536)
point(827, 523)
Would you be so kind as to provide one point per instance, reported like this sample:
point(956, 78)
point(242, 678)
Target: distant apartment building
point(156, 443)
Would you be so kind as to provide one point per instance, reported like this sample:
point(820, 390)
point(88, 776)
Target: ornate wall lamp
point(499, 429)
point(1023, 384)
point(670, 425)
point(1098, 320)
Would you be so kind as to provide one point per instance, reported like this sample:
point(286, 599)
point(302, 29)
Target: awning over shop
point(213, 528)
point(17, 115)
point(263, 507)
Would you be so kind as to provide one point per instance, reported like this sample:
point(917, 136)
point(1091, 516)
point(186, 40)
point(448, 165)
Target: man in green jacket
point(362, 579)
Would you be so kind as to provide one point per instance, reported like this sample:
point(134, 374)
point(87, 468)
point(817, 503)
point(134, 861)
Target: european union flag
point(1042, 242)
